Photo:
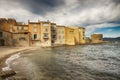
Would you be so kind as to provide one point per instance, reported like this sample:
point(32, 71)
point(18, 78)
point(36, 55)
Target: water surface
point(85, 62)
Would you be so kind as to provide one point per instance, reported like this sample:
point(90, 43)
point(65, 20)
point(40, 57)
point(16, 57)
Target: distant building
point(5, 38)
point(87, 40)
point(69, 36)
point(60, 35)
point(97, 38)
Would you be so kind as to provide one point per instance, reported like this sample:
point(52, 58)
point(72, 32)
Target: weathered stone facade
point(96, 38)
point(21, 39)
point(43, 33)
point(5, 38)
point(60, 31)
point(35, 30)
point(69, 36)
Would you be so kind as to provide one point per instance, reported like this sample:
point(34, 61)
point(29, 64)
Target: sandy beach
point(5, 52)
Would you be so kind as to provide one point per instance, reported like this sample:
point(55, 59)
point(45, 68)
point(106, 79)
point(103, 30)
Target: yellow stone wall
point(82, 35)
point(60, 35)
point(69, 36)
point(45, 34)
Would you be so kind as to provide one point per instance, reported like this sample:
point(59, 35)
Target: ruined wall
point(97, 38)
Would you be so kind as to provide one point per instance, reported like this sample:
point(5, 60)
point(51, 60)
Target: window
point(20, 28)
point(35, 27)
point(59, 37)
point(54, 36)
point(45, 34)
point(1, 34)
point(71, 32)
point(63, 32)
point(35, 36)
point(63, 37)
point(52, 41)
point(46, 30)
point(83, 38)
point(22, 38)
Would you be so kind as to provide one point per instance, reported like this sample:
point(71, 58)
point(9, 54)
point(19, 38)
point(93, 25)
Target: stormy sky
point(97, 16)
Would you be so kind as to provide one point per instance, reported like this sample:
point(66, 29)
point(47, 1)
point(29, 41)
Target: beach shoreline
point(6, 52)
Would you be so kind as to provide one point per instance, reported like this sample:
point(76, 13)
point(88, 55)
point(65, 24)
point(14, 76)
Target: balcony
point(45, 37)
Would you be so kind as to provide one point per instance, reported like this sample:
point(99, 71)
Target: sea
point(81, 62)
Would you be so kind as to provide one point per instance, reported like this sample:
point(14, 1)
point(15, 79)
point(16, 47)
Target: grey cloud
point(41, 7)
point(64, 12)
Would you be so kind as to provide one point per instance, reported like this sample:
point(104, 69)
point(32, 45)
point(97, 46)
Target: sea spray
point(9, 60)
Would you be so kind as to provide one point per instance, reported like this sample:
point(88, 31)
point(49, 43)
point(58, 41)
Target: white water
point(9, 60)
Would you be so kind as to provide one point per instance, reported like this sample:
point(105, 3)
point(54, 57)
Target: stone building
point(46, 37)
point(41, 33)
point(87, 40)
point(20, 28)
point(60, 35)
point(96, 38)
point(35, 30)
point(82, 35)
point(53, 34)
point(21, 39)
point(79, 35)
point(5, 38)
point(69, 36)
point(7, 24)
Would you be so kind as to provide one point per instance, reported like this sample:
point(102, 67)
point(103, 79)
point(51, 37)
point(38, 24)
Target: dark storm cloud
point(116, 1)
point(41, 6)
point(92, 14)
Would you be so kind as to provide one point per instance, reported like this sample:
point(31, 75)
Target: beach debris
point(6, 74)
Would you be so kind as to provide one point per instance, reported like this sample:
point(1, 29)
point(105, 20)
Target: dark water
point(85, 62)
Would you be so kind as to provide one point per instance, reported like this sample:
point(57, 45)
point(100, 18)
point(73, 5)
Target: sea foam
point(9, 60)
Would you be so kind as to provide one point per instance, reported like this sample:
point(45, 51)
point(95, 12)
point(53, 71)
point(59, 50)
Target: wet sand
point(6, 52)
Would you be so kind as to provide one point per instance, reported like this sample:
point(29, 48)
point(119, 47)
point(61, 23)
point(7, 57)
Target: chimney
point(38, 20)
point(48, 21)
point(28, 20)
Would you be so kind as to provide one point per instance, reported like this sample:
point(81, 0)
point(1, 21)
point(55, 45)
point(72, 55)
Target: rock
point(5, 74)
